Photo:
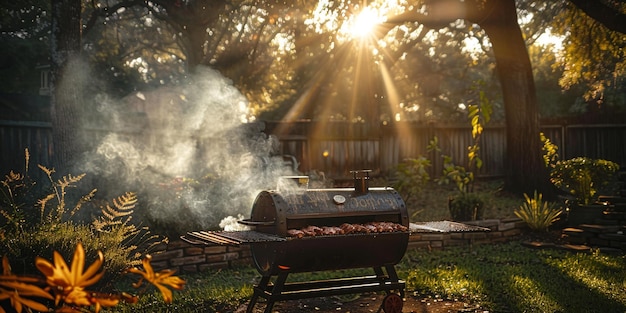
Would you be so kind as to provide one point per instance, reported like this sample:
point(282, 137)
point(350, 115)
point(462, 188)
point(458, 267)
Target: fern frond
point(84, 199)
point(13, 177)
point(26, 159)
point(98, 225)
point(109, 212)
point(126, 202)
point(111, 215)
point(67, 181)
point(46, 170)
point(41, 203)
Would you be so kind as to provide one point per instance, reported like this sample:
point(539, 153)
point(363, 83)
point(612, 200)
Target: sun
point(361, 26)
point(364, 23)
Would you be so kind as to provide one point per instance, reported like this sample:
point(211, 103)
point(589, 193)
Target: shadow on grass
point(512, 278)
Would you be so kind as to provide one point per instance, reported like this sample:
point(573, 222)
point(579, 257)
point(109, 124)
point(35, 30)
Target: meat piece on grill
point(332, 230)
point(400, 227)
point(358, 228)
point(387, 227)
point(348, 228)
point(295, 233)
point(328, 231)
point(312, 231)
point(371, 228)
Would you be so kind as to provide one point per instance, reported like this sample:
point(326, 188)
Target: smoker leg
point(252, 303)
point(382, 278)
point(276, 290)
point(391, 271)
point(393, 275)
point(260, 288)
point(379, 272)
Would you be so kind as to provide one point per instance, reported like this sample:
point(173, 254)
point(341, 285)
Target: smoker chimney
point(361, 181)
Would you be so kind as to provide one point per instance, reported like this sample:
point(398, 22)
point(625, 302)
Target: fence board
point(359, 146)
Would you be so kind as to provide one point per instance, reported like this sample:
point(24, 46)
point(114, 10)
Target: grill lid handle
point(249, 222)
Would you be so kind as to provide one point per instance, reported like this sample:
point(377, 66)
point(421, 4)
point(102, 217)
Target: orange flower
point(69, 282)
point(159, 279)
point(104, 300)
point(15, 288)
point(100, 300)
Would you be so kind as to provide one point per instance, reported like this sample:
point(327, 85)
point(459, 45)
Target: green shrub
point(538, 214)
point(412, 176)
point(583, 178)
point(466, 206)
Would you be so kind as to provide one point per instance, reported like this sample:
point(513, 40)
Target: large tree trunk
point(525, 170)
point(66, 96)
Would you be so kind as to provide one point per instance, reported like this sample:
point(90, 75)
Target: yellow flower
point(69, 282)
point(15, 288)
point(159, 279)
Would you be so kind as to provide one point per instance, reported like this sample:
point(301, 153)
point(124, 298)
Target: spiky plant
point(537, 213)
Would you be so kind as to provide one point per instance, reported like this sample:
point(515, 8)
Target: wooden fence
point(336, 148)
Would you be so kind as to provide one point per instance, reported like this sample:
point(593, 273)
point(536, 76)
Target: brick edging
point(185, 257)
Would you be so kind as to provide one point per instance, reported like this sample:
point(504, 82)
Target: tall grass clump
point(37, 218)
point(537, 213)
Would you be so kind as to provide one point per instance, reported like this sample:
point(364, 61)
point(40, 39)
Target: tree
point(23, 38)
point(67, 80)
point(610, 13)
point(276, 55)
point(594, 55)
point(524, 168)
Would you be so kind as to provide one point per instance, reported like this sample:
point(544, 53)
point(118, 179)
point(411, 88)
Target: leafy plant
point(467, 206)
point(14, 190)
point(537, 213)
point(479, 115)
point(583, 177)
point(550, 151)
point(36, 221)
point(412, 175)
point(457, 174)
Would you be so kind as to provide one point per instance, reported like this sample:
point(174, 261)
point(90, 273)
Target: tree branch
point(611, 17)
point(105, 11)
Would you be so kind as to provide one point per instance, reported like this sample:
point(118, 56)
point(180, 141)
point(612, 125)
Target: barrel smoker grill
point(277, 252)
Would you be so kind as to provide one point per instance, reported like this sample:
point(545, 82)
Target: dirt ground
point(365, 303)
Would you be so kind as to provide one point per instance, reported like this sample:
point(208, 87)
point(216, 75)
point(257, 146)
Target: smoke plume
point(188, 151)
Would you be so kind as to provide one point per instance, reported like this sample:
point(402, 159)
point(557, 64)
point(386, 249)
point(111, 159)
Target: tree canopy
point(417, 60)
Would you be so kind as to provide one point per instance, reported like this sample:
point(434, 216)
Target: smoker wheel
point(392, 303)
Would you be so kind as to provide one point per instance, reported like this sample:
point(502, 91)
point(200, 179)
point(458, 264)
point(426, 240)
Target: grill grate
point(232, 237)
point(444, 227)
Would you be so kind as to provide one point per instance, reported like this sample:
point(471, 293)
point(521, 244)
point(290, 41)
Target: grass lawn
point(504, 277)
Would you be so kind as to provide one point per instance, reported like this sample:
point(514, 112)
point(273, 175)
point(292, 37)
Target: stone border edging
point(187, 258)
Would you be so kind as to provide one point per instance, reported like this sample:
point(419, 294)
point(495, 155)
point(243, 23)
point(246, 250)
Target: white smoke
point(196, 161)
